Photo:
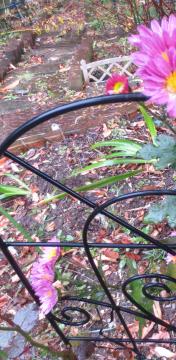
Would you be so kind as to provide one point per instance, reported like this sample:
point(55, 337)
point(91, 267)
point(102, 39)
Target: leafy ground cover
point(66, 218)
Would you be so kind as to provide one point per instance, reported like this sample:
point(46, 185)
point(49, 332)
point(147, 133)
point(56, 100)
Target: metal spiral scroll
point(76, 315)
point(67, 314)
point(146, 287)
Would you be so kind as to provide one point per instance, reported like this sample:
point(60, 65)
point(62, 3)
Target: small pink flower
point(117, 84)
point(42, 277)
point(51, 254)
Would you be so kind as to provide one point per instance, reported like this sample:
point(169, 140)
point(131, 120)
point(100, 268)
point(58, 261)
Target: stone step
point(54, 53)
point(55, 129)
point(11, 106)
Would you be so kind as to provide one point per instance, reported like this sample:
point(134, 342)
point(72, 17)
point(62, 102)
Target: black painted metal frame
point(151, 280)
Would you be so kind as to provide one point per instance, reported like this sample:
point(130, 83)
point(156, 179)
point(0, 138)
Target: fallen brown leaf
point(4, 299)
point(106, 131)
point(109, 255)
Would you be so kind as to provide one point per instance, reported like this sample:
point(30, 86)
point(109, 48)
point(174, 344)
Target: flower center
point(47, 277)
point(165, 56)
point(171, 82)
point(52, 253)
point(118, 86)
point(49, 293)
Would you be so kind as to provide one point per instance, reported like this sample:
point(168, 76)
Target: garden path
point(41, 81)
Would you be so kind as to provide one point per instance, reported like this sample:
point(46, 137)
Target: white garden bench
point(104, 68)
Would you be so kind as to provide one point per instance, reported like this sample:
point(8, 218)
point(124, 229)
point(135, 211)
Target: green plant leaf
point(107, 181)
point(95, 185)
point(18, 226)
point(171, 271)
point(138, 296)
point(103, 163)
point(118, 154)
point(3, 355)
point(20, 182)
point(8, 191)
point(128, 146)
point(149, 123)
point(137, 293)
point(165, 210)
point(164, 153)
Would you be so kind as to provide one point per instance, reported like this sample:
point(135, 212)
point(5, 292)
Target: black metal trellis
point(154, 280)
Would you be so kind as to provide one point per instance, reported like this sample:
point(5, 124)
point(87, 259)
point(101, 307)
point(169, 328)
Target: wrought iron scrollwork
point(153, 284)
point(68, 314)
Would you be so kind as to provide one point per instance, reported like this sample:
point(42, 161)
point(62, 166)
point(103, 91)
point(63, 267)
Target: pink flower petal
point(156, 28)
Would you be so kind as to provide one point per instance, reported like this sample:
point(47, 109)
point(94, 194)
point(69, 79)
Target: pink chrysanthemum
point(48, 297)
point(159, 78)
point(41, 274)
point(50, 254)
point(154, 41)
point(117, 84)
point(156, 61)
point(42, 278)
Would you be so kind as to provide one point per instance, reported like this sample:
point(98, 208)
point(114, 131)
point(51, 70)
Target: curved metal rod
point(63, 109)
point(67, 318)
point(103, 284)
point(99, 276)
point(115, 307)
point(91, 204)
point(105, 304)
point(139, 306)
point(102, 209)
point(119, 341)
